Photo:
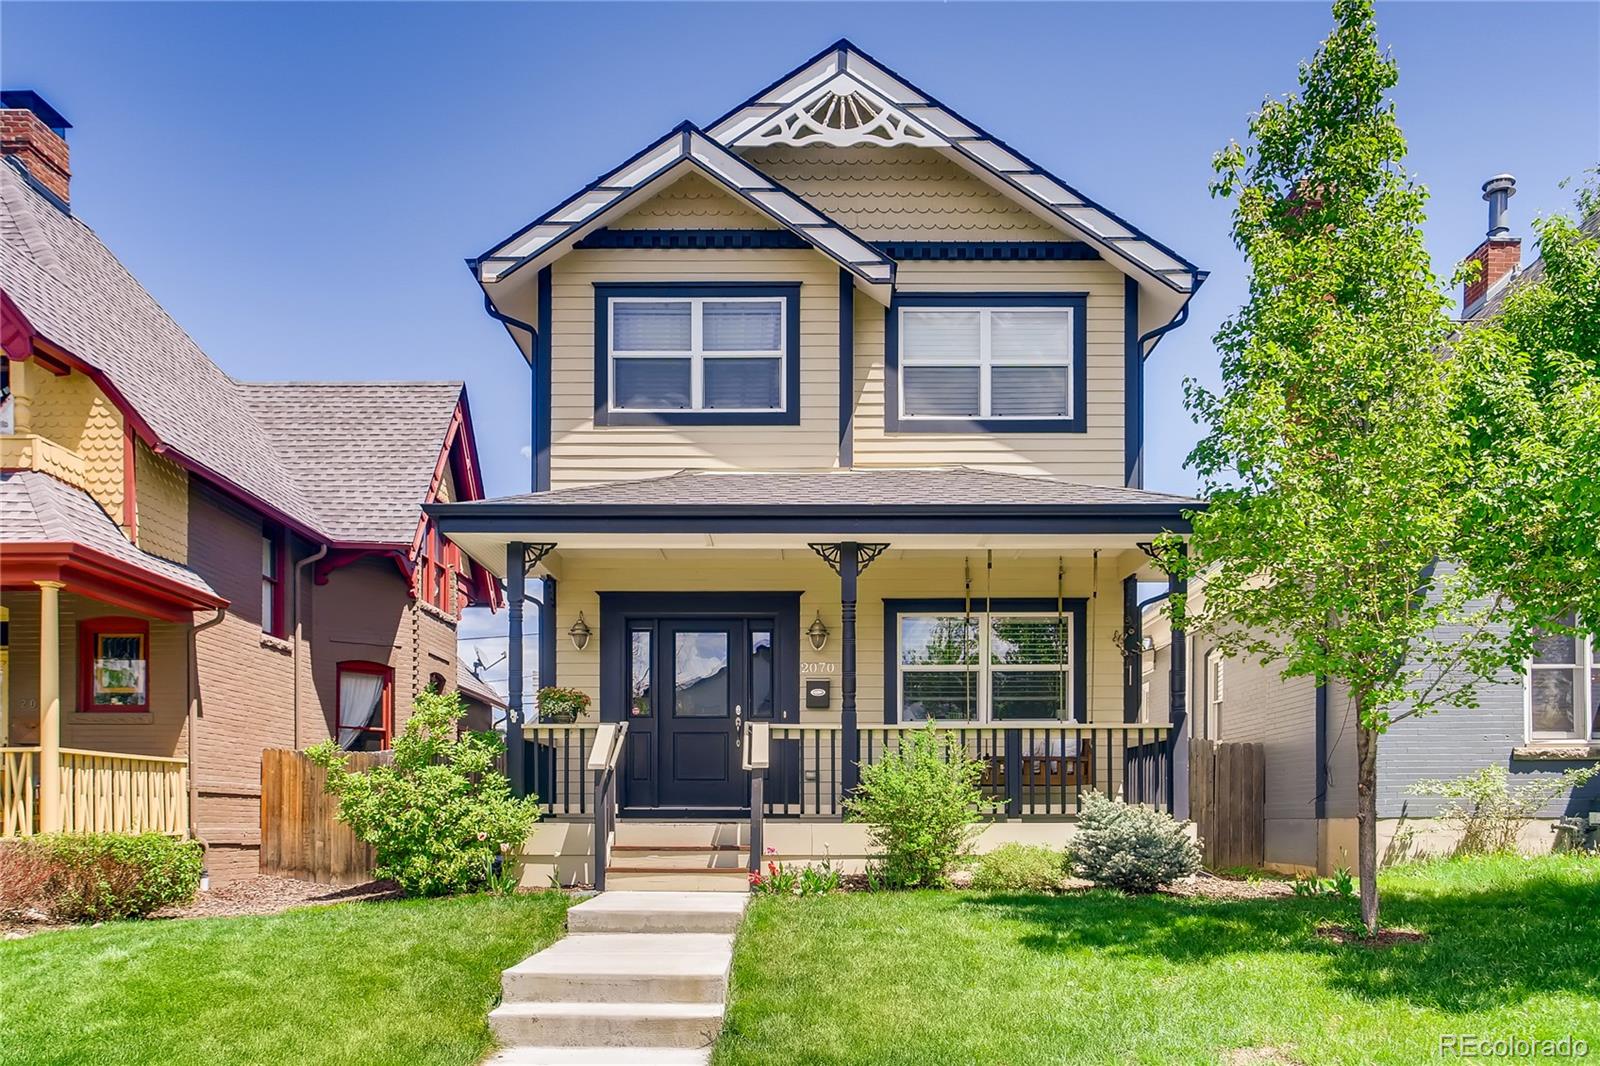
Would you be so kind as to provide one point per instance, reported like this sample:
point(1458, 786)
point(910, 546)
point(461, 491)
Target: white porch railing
point(101, 792)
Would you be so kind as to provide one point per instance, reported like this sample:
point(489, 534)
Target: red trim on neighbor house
point(463, 463)
point(276, 626)
point(341, 557)
point(130, 504)
point(102, 577)
point(89, 633)
point(356, 666)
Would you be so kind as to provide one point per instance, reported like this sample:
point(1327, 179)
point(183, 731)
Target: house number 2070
point(818, 668)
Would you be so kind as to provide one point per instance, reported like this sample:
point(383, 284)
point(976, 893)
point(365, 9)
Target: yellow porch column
point(49, 706)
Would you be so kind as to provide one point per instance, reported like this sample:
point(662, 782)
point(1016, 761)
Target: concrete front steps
point(686, 856)
point(640, 979)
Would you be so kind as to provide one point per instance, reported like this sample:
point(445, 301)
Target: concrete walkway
point(641, 978)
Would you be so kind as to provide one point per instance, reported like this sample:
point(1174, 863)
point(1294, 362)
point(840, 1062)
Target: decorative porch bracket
point(848, 559)
point(535, 553)
point(865, 554)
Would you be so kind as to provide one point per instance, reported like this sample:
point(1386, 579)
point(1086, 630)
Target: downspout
point(194, 716)
point(294, 653)
point(1178, 319)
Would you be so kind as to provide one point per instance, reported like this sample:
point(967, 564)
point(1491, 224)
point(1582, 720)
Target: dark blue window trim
point(1075, 606)
point(1132, 387)
point(1077, 423)
point(542, 372)
point(847, 367)
point(604, 415)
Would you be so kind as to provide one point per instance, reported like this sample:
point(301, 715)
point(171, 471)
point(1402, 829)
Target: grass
point(397, 982)
point(928, 977)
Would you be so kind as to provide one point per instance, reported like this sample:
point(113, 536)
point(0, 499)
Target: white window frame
point(1215, 685)
point(983, 668)
point(1583, 693)
point(985, 362)
point(696, 353)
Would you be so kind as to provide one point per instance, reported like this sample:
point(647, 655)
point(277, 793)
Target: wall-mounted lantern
point(818, 633)
point(579, 633)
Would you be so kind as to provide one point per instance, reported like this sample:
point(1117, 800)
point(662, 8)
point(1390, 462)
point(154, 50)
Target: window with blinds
point(723, 354)
point(986, 363)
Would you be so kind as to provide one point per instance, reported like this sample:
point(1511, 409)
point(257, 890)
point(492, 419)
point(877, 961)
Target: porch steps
point(639, 979)
point(686, 856)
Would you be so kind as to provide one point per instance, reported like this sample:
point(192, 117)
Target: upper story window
point(690, 354)
point(1563, 689)
point(438, 570)
point(114, 665)
point(274, 616)
point(986, 362)
point(366, 706)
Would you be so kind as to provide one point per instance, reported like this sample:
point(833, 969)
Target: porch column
point(50, 705)
point(849, 740)
point(516, 581)
point(1132, 651)
point(547, 632)
point(1177, 712)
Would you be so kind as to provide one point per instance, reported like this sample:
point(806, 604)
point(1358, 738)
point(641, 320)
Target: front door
point(703, 713)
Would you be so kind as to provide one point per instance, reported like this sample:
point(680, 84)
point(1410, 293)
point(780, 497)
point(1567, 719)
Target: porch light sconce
point(818, 632)
point(579, 633)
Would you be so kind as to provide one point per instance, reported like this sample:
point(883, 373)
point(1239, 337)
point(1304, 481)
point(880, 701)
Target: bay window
point(985, 666)
point(697, 354)
point(996, 362)
point(1563, 689)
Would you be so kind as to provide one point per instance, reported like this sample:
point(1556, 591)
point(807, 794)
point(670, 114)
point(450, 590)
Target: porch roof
point(913, 507)
point(56, 532)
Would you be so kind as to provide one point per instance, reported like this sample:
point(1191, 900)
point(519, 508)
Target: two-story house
point(837, 429)
point(194, 568)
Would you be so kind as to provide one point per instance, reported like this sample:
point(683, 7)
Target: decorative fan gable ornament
point(843, 114)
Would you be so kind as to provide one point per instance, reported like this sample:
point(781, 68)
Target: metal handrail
point(604, 757)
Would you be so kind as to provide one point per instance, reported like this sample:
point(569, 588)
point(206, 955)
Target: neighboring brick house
point(1535, 726)
point(230, 566)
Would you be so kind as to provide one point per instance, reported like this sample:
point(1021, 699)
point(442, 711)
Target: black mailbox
point(819, 693)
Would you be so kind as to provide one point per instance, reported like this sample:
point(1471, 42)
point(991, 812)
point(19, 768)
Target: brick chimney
point(1500, 253)
point(36, 134)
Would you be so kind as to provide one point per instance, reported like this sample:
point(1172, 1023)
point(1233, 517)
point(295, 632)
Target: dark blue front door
point(703, 713)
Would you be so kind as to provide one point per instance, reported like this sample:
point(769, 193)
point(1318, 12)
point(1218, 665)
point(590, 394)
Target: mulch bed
point(1207, 885)
point(258, 895)
point(1383, 938)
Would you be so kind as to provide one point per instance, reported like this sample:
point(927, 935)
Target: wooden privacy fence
point(1227, 801)
point(301, 835)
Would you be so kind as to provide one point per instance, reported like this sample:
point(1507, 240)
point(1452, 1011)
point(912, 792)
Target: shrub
point(1018, 868)
point(99, 876)
point(1126, 846)
point(439, 813)
point(919, 802)
point(1487, 811)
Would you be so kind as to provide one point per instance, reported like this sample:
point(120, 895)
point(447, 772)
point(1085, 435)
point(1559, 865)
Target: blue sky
point(299, 183)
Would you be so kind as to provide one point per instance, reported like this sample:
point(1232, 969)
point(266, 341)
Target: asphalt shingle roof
point(348, 461)
point(962, 486)
point(38, 509)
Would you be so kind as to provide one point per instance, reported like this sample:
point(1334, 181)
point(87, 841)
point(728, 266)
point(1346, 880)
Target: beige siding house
point(837, 431)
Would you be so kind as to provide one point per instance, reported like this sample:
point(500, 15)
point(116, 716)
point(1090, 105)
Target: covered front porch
point(747, 660)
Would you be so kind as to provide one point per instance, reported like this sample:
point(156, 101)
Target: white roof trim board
point(552, 235)
point(770, 118)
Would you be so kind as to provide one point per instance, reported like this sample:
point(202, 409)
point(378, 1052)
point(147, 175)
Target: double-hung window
point(1563, 689)
point(366, 706)
point(697, 354)
point(989, 362)
point(984, 666)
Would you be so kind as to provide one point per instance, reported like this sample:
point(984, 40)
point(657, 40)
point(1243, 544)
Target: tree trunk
point(1367, 823)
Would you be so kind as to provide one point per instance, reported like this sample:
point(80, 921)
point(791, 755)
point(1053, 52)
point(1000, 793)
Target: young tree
point(1331, 461)
point(1529, 397)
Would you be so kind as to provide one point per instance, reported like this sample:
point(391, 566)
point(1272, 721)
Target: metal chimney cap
point(1506, 183)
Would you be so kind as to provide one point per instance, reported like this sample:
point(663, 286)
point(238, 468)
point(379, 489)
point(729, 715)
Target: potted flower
point(562, 704)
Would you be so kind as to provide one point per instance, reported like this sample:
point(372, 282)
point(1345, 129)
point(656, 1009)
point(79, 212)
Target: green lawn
point(398, 982)
point(932, 978)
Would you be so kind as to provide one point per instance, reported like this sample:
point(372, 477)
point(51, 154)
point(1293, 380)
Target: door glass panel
point(761, 673)
point(639, 694)
point(700, 678)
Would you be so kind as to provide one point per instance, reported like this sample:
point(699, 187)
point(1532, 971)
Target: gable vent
point(844, 115)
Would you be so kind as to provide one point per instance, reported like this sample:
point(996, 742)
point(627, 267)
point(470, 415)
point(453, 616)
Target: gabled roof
point(476, 687)
point(686, 147)
point(363, 451)
point(342, 462)
point(843, 96)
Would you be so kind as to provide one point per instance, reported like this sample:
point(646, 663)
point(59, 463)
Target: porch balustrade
point(100, 792)
point(557, 756)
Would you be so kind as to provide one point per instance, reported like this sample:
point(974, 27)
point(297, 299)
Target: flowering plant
point(781, 879)
point(562, 704)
